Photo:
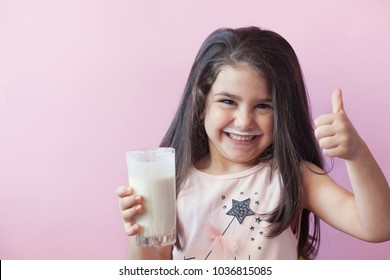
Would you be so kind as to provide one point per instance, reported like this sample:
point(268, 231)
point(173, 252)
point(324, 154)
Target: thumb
point(337, 101)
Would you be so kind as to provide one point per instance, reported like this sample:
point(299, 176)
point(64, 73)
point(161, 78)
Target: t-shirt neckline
point(234, 175)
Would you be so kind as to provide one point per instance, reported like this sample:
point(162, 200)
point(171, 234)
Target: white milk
point(153, 177)
point(159, 215)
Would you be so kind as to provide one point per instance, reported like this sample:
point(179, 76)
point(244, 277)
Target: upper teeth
point(241, 137)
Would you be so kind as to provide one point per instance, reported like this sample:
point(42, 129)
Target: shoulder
point(312, 175)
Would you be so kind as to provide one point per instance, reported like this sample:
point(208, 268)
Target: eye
point(228, 101)
point(263, 106)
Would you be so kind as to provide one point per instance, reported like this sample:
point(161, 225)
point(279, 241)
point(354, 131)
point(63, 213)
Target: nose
point(243, 119)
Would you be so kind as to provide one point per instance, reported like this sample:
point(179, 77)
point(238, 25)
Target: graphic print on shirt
point(211, 207)
point(240, 210)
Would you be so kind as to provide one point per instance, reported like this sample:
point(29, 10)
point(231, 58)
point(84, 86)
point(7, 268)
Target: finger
point(329, 143)
point(132, 229)
point(128, 215)
point(324, 131)
point(123, 191)
point(324, 120)
point(337, 101)
point(333, 152)
point(130, 201)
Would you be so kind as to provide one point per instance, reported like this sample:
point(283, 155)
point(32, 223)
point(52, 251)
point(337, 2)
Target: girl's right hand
point(130, 206)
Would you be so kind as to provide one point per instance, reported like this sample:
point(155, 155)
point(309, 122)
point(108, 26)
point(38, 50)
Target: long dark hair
point(293, 140)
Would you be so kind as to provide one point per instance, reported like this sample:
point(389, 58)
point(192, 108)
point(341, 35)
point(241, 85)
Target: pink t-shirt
point(219, 217)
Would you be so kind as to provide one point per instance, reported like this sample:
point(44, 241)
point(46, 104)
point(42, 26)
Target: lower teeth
point(242, 139)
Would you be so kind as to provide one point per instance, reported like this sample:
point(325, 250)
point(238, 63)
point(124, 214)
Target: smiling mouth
point(241, 138)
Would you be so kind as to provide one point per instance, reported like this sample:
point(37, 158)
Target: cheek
point(216, 118)
point(271, 126)
point(266, 123)
point(209, 124)
point(268, 129)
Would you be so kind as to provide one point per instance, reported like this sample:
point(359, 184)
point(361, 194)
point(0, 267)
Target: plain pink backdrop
point(82, 82)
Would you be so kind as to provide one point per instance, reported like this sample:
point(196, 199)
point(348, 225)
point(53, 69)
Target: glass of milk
point(152, 174)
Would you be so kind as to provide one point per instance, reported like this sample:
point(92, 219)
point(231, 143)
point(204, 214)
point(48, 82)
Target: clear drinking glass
point(152, 174)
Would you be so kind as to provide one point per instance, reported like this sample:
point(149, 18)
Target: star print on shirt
point(240, 210)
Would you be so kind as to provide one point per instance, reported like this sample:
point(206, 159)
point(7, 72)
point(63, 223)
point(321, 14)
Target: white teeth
point(240, 137)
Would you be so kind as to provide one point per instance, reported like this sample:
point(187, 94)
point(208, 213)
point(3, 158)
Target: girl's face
point(238, 119)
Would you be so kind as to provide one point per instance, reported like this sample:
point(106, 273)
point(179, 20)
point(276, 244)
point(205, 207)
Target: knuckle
point(125, 215)
point(123, 204)
point(128, 214)
point(128, 229)
point(123, 191)
point(127, 202)
point(131, 229)
point(317, 133)
point(119, 191)
point(322, 143)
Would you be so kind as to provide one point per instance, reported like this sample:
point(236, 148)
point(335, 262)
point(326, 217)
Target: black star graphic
point(223, 197)
point(258, 220)
point(261, 232)
point(252, 228)
point(257, 202)
point(259, 248)
point(252, 239)
point(240, 210)
point(242, 193)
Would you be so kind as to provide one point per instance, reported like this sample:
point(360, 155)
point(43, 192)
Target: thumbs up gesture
point(336, 135)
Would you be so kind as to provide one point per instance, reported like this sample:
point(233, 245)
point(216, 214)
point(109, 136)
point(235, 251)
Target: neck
point(214, 166)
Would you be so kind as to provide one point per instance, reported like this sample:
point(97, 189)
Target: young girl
point(249, 163)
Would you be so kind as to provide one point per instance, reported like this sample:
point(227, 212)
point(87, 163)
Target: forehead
point(240, 79)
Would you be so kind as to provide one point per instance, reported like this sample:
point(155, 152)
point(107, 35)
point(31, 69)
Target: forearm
point(372, 194)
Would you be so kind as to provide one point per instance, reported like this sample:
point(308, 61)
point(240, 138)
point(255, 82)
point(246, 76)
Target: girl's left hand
point(336, 135)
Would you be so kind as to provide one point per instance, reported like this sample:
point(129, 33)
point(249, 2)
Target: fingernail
point(129, 189)
point(138, 208)
point(138, 198)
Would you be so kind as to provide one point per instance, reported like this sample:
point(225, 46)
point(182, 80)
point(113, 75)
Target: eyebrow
point(235, 97)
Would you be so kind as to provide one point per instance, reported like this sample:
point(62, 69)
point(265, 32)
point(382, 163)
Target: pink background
point(82, 82)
